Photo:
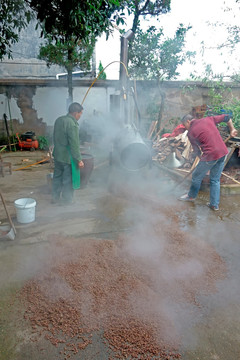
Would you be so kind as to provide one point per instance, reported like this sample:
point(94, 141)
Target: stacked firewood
point(180, 146)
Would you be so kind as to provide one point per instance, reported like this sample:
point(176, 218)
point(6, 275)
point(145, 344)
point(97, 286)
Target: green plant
point(70, 54)
point(187, 89)
point(5, 141)
point(14, 16)
point(152, 56)
point(43, 142)
point(102, 75)
point(221, 98)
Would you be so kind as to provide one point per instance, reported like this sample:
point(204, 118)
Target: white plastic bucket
point(25, 209)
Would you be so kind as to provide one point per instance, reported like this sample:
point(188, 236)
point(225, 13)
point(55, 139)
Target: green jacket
point(65, 139)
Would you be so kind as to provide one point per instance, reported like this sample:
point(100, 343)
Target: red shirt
point(178, 130)
point(204, 134)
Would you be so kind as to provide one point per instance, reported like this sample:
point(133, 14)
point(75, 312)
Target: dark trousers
point(62, 182)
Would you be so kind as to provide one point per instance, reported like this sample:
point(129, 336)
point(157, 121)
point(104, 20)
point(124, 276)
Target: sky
point(198, 14)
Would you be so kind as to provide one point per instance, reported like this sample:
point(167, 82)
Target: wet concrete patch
point(209, 328)
point(217, 342)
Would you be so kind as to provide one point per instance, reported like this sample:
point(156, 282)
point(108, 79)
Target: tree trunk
point(70, 86)
point(160, 113)
point(94, 65)
point(135, 21)
point(69, 78)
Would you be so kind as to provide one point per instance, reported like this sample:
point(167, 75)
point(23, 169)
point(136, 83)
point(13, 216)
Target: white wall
point(51, 102)
point(15, 112)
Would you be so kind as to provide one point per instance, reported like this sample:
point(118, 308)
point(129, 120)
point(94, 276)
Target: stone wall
point(33, 105)
point(169, 101)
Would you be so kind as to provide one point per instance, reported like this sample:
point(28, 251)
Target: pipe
point(39, 162)
point(100, 74)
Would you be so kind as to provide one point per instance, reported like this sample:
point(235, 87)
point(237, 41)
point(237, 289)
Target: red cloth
point(178, 130)
point(204, 134)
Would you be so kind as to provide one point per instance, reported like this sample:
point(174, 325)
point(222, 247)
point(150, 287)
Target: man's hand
point(233, 132)
point(81, 164)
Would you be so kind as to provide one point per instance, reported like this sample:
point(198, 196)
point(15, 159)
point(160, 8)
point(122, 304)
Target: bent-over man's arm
point(233, 131)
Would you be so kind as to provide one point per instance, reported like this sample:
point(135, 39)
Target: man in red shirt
point(207, 143)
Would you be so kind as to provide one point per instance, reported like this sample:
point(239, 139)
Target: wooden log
point(196, 161)
point(151, 129)
point(230, 177)
point(178, 154)
point(229, 156)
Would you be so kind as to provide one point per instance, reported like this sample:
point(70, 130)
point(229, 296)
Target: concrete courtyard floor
point(111, 206)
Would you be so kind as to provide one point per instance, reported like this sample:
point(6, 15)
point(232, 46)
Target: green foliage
point(102, 75)
point(63, 20)
point(14, 16)
point(236, 78)
point(233, 36)
point(71, 29)
point(4, 140)
point(73, 20)
point(187, 89)
point(221, 97)
point(144, 8)
point(68, 54)
point(43, 142)
point(152, 57)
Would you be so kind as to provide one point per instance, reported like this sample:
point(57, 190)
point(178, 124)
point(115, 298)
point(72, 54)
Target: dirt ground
point(126, 272)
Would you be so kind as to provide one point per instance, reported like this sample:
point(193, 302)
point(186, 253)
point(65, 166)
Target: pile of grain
point(101, 285)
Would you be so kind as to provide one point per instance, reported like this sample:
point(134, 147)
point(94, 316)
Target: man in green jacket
point(66, 154)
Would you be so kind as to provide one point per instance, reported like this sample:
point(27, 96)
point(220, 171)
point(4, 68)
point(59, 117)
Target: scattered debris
point(180, 149)
point(180, 146)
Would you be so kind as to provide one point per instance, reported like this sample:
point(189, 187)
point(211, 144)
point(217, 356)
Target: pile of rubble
point(176, 152)
point(179, 146)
